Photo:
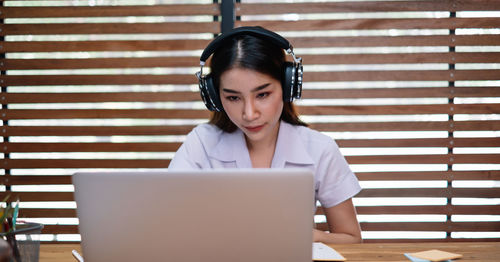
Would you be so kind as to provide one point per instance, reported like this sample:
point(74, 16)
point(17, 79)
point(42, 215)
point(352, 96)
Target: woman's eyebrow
point(261, 87)
point(227, 90)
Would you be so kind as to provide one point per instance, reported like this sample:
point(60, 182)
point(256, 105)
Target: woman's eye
point(232, 98)
point(263, 95)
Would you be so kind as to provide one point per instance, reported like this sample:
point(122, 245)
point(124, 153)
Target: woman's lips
point(254, 128)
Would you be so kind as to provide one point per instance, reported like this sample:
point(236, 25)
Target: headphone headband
point(244, 30)
point(291, 81)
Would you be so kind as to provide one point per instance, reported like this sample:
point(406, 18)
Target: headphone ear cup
point(203, 92)
point(298, 81)
point(209, 95)
point(288, 81)
point(213, 94)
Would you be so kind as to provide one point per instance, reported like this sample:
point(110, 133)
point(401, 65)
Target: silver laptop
point(217, 215)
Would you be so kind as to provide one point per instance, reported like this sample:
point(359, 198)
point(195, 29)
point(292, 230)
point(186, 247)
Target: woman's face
point(253, 101)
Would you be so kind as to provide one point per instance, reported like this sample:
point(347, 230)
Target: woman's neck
point(262, 152)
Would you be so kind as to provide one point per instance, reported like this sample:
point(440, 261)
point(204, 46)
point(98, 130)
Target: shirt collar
point(231, 147)
point(289, 148)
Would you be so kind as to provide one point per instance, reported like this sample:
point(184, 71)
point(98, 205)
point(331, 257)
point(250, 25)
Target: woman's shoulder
point(193, 152)
point(206, 129)
point(205, 134)
point(317, 145)
point(311, 136)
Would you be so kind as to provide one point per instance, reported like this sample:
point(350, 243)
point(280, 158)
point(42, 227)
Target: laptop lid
point(211, 215)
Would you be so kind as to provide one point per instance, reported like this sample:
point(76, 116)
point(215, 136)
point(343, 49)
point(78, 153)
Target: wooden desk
point(471, 251)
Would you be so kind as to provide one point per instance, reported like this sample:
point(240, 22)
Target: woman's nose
point(250, 111)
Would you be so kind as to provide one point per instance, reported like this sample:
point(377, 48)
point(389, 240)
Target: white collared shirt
point(206, 146)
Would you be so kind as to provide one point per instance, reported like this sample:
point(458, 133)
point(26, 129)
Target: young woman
point(251, 88)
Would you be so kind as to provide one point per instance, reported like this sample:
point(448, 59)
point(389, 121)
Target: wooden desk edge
point(471, 251)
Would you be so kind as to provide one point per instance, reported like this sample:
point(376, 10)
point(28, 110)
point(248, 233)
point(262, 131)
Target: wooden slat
point(35, 180)
point(14, 98)
point(402, 58)
point(403, 75)
point(42, 80)
point(95, 130)
point(476, 175)
point(476, 109)
point(483, 40)
point(448, 92)
point(112, 45)
point(111, 28)
point(172, 147)
point(361, 210)
point(427, 210)
point(430, 240)
point(89, 147)
point(213, 27)
point(399, 159)
point(387, 126)
point(39, 196)
point(25, 64)
point(184, 129)
point(196, 44)
point(476, 92)
point(9, 114)
point(105, 113)
point(364, 6)
point(60, 229)
point(365, 226)
point(350, 24)
point(85, 163)
point(362, 176)
point(375, 41)
point(431, 226)
point(479, 226)
point(110, 11)
point(163, 163)
point(426, 159)
point(424, 226)
point(46, 212)
point(401, 109)
point(430, 175)
point(476, 125)
point(422, 142)
point(476, 142)
point(426, 142)
point(476, 210)
point(476, 158)
point(386, 75)
point(430, 192)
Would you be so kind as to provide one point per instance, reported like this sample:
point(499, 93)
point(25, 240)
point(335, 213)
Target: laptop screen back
point(217, 215)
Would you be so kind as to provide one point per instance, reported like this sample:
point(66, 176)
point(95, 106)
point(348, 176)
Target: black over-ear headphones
point(292, 75)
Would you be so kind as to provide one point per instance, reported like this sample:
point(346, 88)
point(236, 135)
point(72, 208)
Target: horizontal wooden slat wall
point(104, 87)
point(409, 89)
point(411, 92)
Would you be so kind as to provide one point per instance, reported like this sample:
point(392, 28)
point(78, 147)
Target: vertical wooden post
point(228, 15)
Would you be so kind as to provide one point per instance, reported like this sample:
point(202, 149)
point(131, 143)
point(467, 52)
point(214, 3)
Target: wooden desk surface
point(471, 251)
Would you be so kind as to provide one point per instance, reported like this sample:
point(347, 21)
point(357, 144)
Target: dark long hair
point(249, 52)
